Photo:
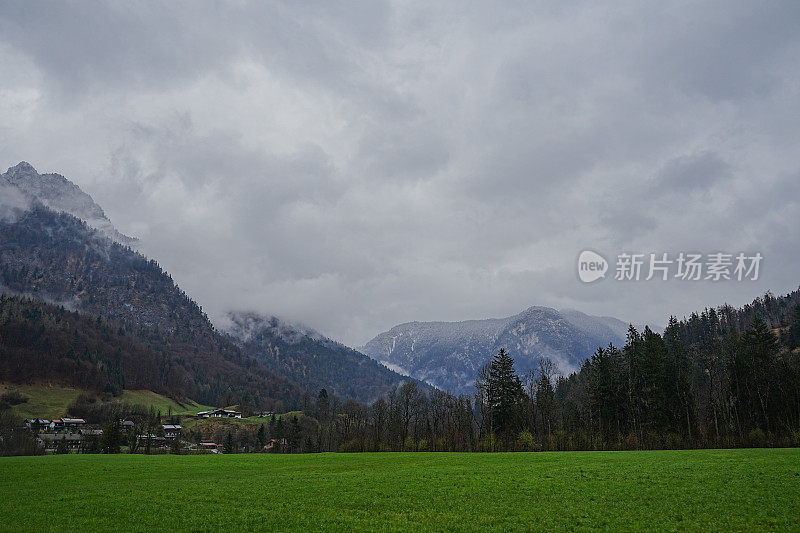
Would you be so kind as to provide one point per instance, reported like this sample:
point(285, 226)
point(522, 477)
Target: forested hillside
point(44, 342)
point(56, 257)
point(311, 360)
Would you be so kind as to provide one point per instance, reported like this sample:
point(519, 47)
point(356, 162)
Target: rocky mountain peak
point(21, 169)
point(450, 354)
point(60, 194)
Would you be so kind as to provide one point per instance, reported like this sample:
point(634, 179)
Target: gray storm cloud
point(358, 165)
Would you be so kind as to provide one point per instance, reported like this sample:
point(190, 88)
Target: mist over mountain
point(310, 359)
point(449, 355)
point(60, 194)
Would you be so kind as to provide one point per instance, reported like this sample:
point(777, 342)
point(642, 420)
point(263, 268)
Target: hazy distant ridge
point(450, 354)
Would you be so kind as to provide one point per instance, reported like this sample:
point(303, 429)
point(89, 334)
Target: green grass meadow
point(43, 402)
point(52, 402)
point(719, 490)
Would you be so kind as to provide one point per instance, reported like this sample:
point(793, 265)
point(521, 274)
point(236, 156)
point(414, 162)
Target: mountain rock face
point(59, 194)
point(449, 355)
point(310, 359)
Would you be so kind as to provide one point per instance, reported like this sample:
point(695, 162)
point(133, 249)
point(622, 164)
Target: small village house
point(68, 424)
point(210, 446)
point(220, 413)
point(37, 424)
point(155, 441)
point(172, 431)
point(50, 441)
point(275, 445)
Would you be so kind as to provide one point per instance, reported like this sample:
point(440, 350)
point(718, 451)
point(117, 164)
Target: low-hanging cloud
point(355, 166)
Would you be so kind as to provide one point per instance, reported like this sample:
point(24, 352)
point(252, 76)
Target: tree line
point(722, 378)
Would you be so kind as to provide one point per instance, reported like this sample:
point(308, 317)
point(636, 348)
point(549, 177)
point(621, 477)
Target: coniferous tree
point(112, 437)
point(323, 405)
point(229, 446)
point(545, 395)
point(61, 446)
point(755, 363)
point(261, 437)
point(794, 327)
point(505, 395)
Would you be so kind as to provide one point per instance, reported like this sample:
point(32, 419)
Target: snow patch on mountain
point(449, 355)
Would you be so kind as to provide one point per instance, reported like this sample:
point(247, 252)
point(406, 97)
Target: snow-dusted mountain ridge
point(449, 354)
point(59, 194)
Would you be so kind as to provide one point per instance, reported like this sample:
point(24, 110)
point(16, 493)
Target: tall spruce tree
point(229, 446)
point(505, 395)
point(112, 437)
point(261, 437)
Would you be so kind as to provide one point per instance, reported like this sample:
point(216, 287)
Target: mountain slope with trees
point(57, 258)
point(311, 360)
point(44, 342)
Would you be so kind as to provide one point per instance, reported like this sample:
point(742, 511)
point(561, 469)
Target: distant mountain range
point(449, 355)
point(57, 246)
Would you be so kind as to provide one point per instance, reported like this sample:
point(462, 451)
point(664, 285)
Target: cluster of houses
point(59, 424)
point(220, 413)
point(75, 434)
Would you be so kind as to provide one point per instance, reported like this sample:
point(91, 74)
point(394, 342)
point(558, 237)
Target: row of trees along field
point(723, 378)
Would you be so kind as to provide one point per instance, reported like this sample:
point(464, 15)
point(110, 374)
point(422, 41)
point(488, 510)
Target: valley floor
point(661, 490)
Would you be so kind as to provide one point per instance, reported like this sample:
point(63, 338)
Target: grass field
point(661, 490)
point(43, 402)
point(52, 402)
point(162, 403)
point(210, 424)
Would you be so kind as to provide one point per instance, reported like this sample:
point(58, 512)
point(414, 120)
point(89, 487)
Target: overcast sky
point(359, 165)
